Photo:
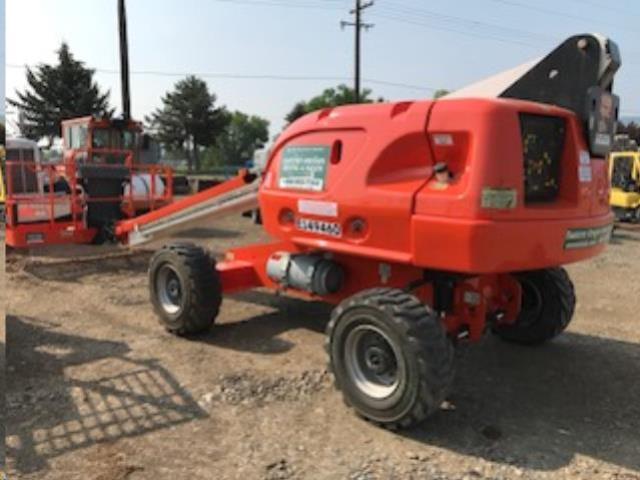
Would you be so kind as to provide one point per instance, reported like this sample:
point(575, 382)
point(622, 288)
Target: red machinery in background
point(103, 177)
point(80, 199)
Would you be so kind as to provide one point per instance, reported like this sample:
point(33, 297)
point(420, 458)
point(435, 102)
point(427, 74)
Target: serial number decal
point(499, 198)
point(587, 237)
point(331, 229)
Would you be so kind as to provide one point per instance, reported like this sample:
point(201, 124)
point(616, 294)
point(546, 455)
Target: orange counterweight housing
point(523, 192)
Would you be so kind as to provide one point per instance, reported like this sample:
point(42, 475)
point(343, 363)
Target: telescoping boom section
point(237, 195)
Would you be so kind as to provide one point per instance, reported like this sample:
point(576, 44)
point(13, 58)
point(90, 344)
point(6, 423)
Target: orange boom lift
point(425, 223)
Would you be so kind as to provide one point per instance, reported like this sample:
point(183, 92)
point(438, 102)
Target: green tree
point(3, 133)
point(440, 93)
point(299, 110)
point(56, 93)
point(331, 97)
point(189, 119)
point(242, 137)
point(633, 130)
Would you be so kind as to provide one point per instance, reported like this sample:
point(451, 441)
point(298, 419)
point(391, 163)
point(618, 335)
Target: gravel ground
point(97, 390)
point(2, 351)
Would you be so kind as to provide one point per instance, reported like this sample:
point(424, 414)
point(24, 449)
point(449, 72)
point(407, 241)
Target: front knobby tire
point(390, 357)
point(548, 305)
point(185, 288)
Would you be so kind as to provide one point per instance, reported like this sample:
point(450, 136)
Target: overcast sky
point(421, 45)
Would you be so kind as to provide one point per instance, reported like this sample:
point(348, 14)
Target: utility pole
point(358, 26)
point(124, 60)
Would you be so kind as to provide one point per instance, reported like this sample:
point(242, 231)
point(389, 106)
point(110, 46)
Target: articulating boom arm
point(233, 196)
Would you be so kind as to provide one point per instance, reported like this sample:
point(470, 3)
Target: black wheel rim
point(374, 364)
point(169, 289)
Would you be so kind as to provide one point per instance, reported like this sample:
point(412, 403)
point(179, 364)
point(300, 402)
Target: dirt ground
point(98, 391)
point(2, 351)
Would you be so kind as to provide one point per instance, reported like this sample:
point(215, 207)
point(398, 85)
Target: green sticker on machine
point(500, 198)
point(587, 237)
point(304, 167)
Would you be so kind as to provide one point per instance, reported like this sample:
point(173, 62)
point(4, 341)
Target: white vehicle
point(25, 177)
point(29, 179)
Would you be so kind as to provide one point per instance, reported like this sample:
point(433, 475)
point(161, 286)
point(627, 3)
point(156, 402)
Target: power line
point(398, 12)
point(222, 75)
point(393, 11)
point(450, 20)
point(402, 85)
point(553, 13)
point(358, 25)
point(488, 32)
point(236, 76)
point(486, 36)
point(605, 7)
point(281, 3)
point(425, 18)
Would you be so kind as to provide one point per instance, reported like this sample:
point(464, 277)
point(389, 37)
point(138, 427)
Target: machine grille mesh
point(543, 140)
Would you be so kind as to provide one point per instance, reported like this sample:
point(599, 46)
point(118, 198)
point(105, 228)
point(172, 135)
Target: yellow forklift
point(624, 171)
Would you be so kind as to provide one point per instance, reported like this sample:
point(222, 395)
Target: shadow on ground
point(261, 334)
point(536, 408)
point(118, 397)
point(539, 407)
point(532, 407)
point(73, 270)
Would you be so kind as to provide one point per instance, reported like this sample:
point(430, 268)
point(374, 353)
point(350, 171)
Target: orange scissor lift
point(80, 199)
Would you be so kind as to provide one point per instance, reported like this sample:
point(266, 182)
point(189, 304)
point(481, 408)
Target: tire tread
point(425, 336)
point(202, 281)
point(560, 302)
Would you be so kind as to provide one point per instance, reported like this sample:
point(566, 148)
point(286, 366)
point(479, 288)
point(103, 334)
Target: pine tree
point(188, 119)
point(58, 92)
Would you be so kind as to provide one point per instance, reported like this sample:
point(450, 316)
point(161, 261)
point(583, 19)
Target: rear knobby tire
point(185, 288)
point(375, 330)
point(548, 305)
